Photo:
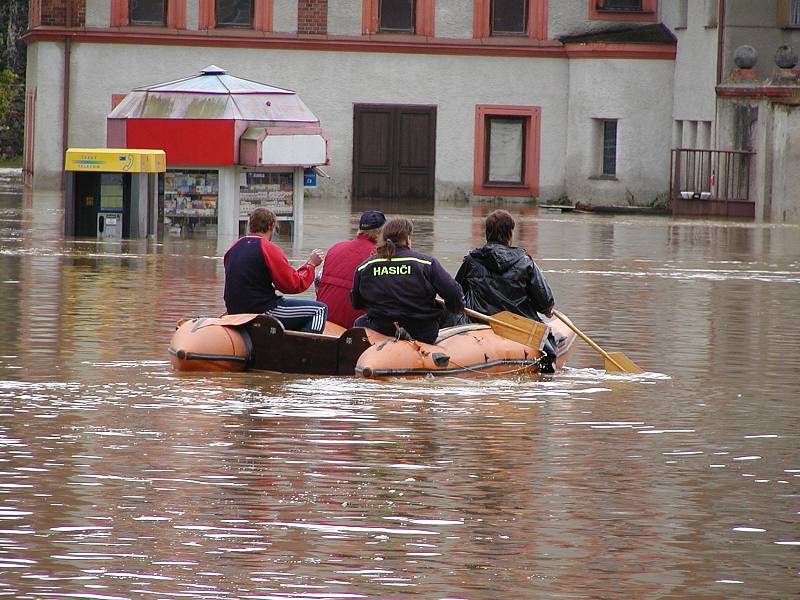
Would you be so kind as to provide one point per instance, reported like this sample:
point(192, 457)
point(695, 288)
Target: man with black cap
point(340, 264)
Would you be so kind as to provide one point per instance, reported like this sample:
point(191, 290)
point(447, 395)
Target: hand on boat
point(316, 257)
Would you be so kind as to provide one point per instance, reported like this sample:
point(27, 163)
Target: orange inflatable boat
point(468, 350)
point(260, 343)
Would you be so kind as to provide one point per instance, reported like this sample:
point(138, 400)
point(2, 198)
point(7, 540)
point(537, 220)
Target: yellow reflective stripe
point(400, 259)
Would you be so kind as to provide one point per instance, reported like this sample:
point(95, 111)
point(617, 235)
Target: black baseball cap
point(371, 219)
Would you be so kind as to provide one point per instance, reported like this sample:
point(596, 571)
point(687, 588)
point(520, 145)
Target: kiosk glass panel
point(190, 200)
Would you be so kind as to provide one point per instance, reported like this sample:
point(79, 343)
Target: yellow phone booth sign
point(115, 160)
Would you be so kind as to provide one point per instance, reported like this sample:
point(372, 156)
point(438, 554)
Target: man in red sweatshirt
point(337, 276)
point(255, 268)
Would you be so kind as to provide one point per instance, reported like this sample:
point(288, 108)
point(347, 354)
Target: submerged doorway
point(394, 152)
point(101, 198)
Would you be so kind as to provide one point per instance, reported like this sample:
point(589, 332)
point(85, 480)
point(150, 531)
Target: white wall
point(756, 24)
point(785, 199)
point(98, 13)
point(641, 99)
point(192, 14)
point(284, 16)
point(45, 74)
point(454, 19)
point(695, 66)
point(571, 17)
point(331, 82)
point(344, 17)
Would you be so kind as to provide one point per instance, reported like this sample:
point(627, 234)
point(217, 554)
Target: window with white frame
point(609, 159)
point(505, 150)
point(507, 145)
point(683, 14)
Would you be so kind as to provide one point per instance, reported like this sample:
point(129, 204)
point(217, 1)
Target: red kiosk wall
point(185, 141)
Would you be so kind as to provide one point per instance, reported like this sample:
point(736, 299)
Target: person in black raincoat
point(499, 276)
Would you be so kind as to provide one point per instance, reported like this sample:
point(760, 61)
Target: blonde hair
point(395, 233)
point(371, 234)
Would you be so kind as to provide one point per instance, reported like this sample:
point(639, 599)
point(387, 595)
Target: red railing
point(720, 179)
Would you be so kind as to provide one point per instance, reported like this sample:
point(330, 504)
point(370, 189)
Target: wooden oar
point(512, 326)
point(614, 361)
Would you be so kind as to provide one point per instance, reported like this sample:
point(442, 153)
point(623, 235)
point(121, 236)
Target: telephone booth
point(112, 193)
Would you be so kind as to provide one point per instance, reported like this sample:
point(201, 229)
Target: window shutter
point(206, 14)
point(176, 14)
point(783, 13)
point(119, 13)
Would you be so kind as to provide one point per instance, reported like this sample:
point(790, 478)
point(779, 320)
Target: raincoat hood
point(498, 258)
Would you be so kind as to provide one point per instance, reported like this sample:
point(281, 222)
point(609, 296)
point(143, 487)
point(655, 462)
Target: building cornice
point(624, 50)
point(785, 94)
point(400, 44)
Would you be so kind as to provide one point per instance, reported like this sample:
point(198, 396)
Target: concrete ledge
point(624, 210)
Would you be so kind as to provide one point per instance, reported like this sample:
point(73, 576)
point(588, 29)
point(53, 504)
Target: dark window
point(396, 16)
point(630, 5)
point(794, 13)
point(234, 13)
point(509, 17)
point(609, 148)
point(148, 12)
point(505, 150)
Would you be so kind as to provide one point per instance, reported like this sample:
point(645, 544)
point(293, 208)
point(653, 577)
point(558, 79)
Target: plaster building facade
point(547, 99)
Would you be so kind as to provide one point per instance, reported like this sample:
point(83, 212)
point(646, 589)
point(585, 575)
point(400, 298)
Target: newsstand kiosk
point(112, 193)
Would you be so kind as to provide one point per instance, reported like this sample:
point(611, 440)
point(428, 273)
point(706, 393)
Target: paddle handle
point(482, 317)
point(564, 319)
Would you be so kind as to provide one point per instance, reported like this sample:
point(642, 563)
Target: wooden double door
point(394, 152)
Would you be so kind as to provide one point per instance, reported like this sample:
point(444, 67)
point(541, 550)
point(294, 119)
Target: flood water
point(121, 480)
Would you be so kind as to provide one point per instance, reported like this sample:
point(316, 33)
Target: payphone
point(109, 225)
point(112, 193)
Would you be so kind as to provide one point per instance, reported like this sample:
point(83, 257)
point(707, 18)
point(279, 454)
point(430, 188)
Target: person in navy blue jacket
point(398, 287)
point(255, 268)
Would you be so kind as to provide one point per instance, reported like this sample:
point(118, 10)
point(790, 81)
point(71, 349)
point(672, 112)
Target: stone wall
point(783, 202)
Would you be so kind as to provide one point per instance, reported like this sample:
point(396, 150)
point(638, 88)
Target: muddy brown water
point(121, 480)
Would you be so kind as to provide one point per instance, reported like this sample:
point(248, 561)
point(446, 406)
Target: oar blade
point(628, 366)
point(520, 329)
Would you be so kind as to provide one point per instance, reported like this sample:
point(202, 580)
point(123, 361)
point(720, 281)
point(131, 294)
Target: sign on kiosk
point(115, 160)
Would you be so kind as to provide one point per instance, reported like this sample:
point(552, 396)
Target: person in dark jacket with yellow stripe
point(398, 287)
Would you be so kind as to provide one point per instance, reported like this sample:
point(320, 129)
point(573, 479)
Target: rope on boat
point(534, 362)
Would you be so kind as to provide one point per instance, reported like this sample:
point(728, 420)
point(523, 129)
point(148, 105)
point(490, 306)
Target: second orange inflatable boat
point(469, 350)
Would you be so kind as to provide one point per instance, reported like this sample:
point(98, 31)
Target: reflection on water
point(121, 479)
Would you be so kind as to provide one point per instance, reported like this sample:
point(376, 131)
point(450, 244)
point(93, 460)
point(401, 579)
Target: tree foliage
point(9, 89)
point(13, 22)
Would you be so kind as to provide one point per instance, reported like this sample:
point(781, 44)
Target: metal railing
point(717, 175)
